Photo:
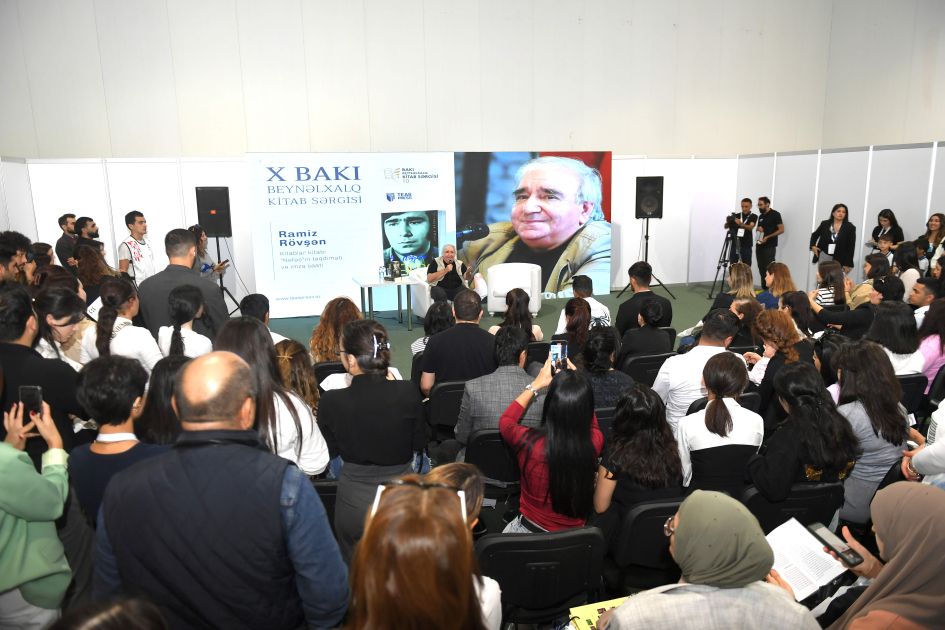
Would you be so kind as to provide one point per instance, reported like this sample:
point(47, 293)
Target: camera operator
point(742, 223)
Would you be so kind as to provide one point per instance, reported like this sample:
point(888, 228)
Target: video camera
point(730, 221)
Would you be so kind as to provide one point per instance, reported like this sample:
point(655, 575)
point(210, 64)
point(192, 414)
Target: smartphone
point(559, 355)
point(832, 542)
point(32, 398)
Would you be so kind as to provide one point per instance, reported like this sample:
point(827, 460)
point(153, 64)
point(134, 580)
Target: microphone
point(472, 232)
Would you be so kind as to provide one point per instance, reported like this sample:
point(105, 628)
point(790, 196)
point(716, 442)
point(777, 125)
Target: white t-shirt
point(139, 254)
point(313, 458)
point(276, 337)
point(906, 363)
point(490, 600)
point(128, 340)
point(48, 352)
point(340, 380)
point(692, 435)
point(599, 313)
point(195, 344)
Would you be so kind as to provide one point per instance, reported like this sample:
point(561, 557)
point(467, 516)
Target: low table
point(370, 285)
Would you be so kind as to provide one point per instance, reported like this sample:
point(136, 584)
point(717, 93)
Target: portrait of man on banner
point(411, 237)
point(543, 209)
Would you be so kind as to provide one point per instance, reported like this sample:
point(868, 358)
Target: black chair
point(913, 390)
point(543, 575)
point(326, 369)
point(442, 408)
point(937, 391)
point(672, 335)
point(641, 557)
point(808, 502)
point(605, 420)
point(415, 368)
point(740, 350)
point(721, 468)
point(644, 368)
point(538, 352)
point(494, 458)
point(748, 400)
point(327, 490)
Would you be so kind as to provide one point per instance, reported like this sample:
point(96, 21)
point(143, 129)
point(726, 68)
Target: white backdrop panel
point(626, 230)
point(899, 179)
point(77, 187)
point(938, 181)
point(794, 199)
point(713, 188)
point(843, 180)
point(755, 178)
point(16, 199)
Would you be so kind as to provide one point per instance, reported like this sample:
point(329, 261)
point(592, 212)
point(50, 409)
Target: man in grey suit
point(181, 248)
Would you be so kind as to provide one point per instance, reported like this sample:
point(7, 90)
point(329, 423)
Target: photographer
point(741, 224)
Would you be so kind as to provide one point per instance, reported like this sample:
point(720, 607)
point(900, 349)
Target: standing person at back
point(641, 274)
point(462, 352)
point(181, 248)
point(66, 243)
point(769, 226)
point(583, 287)
point(679, 382)
point(134, 253)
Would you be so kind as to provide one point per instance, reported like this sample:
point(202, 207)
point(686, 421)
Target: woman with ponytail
point(114, 333)
point(184, 305)
point(716, 442)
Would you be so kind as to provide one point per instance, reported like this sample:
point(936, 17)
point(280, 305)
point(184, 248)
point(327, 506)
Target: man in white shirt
point(679, 382)
point(924, 292)
point(134, 253)
point(583, 287)
point(256, 305)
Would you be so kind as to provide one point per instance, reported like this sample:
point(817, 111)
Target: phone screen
point(835, 544)
point(559, 355)
point(32, 398)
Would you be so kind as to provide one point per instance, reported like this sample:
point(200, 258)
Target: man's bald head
point(214, 388)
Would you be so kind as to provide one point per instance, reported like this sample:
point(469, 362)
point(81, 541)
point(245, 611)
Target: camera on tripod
point(730, 221)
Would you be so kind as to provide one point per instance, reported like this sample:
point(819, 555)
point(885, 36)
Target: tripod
point(727, 245)
point(646, 259)
point(223, 289)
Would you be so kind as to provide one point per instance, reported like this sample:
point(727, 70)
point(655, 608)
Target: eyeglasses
point(668, 529)
point(423, 486)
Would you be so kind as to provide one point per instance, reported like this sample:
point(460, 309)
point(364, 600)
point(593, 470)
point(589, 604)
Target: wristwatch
point(532, 390)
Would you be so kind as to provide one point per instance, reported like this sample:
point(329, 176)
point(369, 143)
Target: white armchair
point(420, 293)
point(504, 277)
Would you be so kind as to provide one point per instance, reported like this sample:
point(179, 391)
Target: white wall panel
point(625, 229)
point(794, 199)
point(713, 191)
point(755, 178)
point(899, 179)
point(926, 93)
point(938, 182)
point(16, 199)
point(843, 180)
point(17, 130)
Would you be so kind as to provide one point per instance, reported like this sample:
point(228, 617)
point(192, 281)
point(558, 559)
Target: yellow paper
point(585, 617)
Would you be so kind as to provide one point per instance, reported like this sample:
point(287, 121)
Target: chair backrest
point(913, 390)
point(697, 405)
point(543, 575)
point(641, 541)
point(937, 391)
point(326, 369)
point(327, 490)
point(538, 352)
point(808, 502)
point(721, 468)
point(643, 368)
point(415, 368)
point(605, 420)
point(672, 335)
point(443, 407)
point(493, 456)
point(749, 400)
point(504, 277)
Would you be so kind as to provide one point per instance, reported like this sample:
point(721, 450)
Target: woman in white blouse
point(716, 442)
point(283, 420)
point(894, 328)
point(184, 305)
point(58, 311)
point(115, 333)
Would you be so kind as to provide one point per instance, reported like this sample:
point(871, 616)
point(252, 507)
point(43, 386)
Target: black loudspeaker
point(650, 197)
point(213, 211)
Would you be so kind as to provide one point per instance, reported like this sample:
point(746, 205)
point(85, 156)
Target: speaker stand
point(223, 289)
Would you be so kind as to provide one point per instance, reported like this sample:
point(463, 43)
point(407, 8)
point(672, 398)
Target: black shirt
point(769, 222)
point(90, 472)
point(547, 260)
point(629, 311)
point(628, 492)
point(640, 341)
point(748, 219)
point(64, 248)
point(459, 353)
point(451, 280)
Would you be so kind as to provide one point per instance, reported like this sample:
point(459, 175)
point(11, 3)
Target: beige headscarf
point(910, 524)
point(720, 543)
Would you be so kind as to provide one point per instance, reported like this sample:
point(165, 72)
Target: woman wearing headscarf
point(907, 590)
point(727, 580)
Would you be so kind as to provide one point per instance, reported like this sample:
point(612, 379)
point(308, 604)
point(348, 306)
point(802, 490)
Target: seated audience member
point(439, 317)
point(797, 305)
point(924, 292)
point(935, 269)
point(283, 420)
point(640, 460)
point(295, 372)
point(421, 526)
point(814, 443)
point(462, 352)
point(583, 287)
point(831, 289)
point(326, 336)
point(518, 315)
point(894, 329)
point(263, 528)
point(92, 271)
point(741, 286)
point(598, 363)
point(42, 255)
point(826, 350)
point(886, 248)
point(875, 266)
point(59, 311)
point(932, 341)
point(869, 399)
point(21, 365)
point(159, 423)
point(679, 381)
point(185, 304)
point(486, 397)
point(256, 305)
point(855, 323)
point(746, 310)
point(446, 275)
point(782, 345)
point(648, 338)
point(714, 443)
point(115, 334)
point(34, 572)
point(112, 390)
point(128, 613)
point(641, 274)
point(375, 426)
point(886, 223)
point(180, 245)
point(558, 459)
point(778, 280)
point(905, 588)
point(907, 266)
point(727, 576)
point(922, 253)
point(469, 479)
point(577, 313)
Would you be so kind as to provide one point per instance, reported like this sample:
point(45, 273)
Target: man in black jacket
point(641, 274)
